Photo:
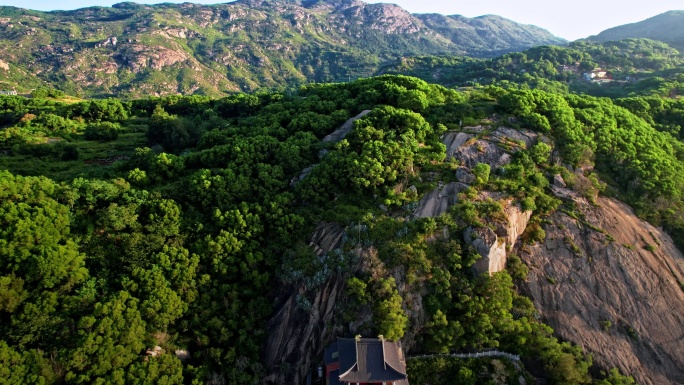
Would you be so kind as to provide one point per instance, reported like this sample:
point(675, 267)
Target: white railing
point(490, 353)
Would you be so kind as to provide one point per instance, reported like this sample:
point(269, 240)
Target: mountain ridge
point(665, 27)
point(239, 46)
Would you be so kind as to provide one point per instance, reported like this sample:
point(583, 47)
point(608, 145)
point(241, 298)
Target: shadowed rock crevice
point(297, 335)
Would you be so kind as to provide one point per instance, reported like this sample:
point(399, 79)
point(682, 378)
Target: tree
point(388, 313)
point(108, 341)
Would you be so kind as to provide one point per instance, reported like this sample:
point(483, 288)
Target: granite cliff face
point(494, 245)
point(138, 50)
point(298, 332)
point(602, 278)
point(612, 283)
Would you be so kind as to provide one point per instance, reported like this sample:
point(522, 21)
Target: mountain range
point(137, 50)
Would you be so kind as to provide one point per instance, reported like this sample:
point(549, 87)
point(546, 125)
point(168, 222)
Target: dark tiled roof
point(365, 361)
point(331, 354)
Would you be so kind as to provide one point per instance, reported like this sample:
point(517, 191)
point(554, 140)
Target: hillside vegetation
point(179, 222)
point(666, 27)
point(633, 67)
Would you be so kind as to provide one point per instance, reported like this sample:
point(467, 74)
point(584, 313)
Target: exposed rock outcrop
point(558, 181)
point(296, 336)
point(326, 237)
point(302, 175)
point(489, 246)
point(493, 148)
point(612, 284)
point(522, 137)
point(139, 57)
point(464, 175)
point(438, 201)
point(345, 129)
point(470, 148)
point(493, 245)
point(517, 220)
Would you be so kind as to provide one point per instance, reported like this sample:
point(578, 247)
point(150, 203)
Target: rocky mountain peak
point(334, 4)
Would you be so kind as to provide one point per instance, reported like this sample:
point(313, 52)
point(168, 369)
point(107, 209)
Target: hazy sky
point(572, 19)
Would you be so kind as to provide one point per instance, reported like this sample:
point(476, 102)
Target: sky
point(573, 19)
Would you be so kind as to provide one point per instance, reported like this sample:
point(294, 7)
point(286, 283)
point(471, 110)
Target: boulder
point(153, 352)
point(438, 201)
point(464, 175)
point(558, 181)
point(489, 246)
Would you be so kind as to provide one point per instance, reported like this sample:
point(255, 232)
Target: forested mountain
point(667, 27)
point(139, 50)
point(629, 67)
point(196, 240)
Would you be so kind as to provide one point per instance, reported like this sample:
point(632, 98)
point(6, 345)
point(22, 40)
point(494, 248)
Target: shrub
point(68, 152)
point(540, 153)
point(528, 204)
point(356, 288)
point(138, 177)
point(516, 267)
point(605, 325)
point(533, 233)
point(481, 171)
point(103, 131)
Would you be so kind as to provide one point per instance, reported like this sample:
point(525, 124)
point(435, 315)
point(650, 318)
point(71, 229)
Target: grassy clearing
point(53, 167)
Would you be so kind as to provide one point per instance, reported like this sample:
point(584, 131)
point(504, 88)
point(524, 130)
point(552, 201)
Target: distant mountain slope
point(488, 35)
point(667, 27)
point(634, 66)
point(136, 50)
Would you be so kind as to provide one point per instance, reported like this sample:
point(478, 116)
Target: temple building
point(365, 361)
